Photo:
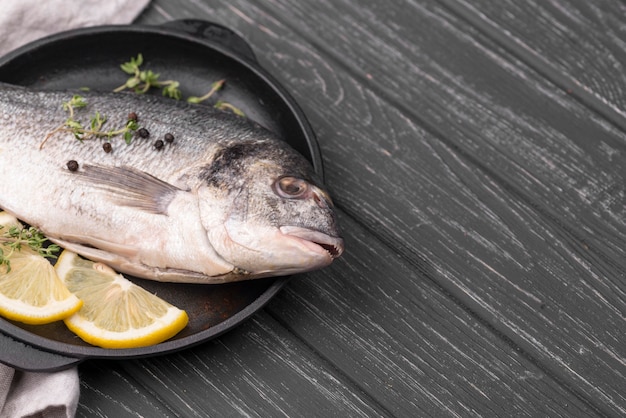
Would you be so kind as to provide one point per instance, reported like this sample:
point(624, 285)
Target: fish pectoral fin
point(120, 254)
point(126, 251)
point(132, 187)
point(120, 262)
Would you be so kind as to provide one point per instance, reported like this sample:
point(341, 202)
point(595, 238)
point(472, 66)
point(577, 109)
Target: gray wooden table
point(476, 151)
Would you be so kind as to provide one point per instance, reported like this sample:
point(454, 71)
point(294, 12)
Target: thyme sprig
point(141, 81)
point(15, 237)
point(215, 87)
point(94, 129)
point(227, 106)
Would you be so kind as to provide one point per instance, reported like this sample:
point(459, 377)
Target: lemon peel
point(30, 290)
point(116, 313)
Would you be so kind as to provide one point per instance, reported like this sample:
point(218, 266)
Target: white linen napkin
point(22, 21)
point(50, 395)
point(47, 395)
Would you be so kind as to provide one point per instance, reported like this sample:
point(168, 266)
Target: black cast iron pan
point(196, 53)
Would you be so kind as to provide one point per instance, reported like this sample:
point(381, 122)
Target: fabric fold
point(23, 21)
point(48, 395)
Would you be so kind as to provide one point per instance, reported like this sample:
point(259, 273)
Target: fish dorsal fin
point(132, 187)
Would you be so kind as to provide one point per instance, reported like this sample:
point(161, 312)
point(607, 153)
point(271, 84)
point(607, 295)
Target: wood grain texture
point(463, 131)
point(411, 347)
point(484, 215)
point(259, 370)
point(107, 391)
point(579, 45)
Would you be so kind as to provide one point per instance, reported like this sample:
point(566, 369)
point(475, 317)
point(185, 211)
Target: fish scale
point(206, 208)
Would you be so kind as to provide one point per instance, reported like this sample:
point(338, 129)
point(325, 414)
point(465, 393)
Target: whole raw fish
point(225, 200)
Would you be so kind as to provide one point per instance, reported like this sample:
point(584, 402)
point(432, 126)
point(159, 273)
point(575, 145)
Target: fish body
point(226, 200)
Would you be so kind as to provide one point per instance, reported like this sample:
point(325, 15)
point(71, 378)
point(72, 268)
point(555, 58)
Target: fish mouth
point(316, 240)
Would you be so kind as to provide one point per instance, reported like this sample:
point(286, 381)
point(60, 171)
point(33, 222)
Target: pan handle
point(28, 358)
point(215, 33)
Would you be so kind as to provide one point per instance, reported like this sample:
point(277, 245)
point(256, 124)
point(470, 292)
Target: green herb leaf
point(132, 66)
point(171, 90)
point(15, 237)
point(149, 77)
point(128, 137)
point(128, 68)
point(75, 102)
point(132, 125)
point(97, 121)
point(132, 82)
point(71, 123)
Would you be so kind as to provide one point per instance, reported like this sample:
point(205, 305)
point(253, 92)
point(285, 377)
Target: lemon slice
point(116, 313)
point(30, 290)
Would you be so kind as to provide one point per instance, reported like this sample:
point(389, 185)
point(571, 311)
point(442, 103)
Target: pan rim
point(169, 29)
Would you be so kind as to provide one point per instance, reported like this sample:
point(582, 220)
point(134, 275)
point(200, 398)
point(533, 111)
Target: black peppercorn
point(169, 138)
point(143, 132)
point(107, 147)
point(132, 116)
point(158, 144)
point(72, 165)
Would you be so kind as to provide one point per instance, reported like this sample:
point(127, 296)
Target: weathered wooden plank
point(258, 370)
point(578, 44)
point(107, 391)
point(477, 198)
point(383, 323)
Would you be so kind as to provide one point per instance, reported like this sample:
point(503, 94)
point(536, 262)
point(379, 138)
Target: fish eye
point(290, 187)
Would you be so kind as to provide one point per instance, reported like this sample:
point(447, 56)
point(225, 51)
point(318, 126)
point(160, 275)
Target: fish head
point(273, 216)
